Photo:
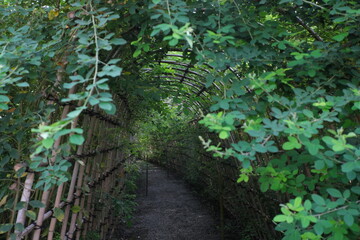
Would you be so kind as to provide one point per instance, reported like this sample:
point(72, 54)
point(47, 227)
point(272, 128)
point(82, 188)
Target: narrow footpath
point(170, 211)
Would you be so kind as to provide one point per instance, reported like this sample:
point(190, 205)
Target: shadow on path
point(170, 211)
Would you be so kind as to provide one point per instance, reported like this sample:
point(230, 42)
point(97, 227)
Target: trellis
point(280, 78)
point(98, 168)
point(244, 203)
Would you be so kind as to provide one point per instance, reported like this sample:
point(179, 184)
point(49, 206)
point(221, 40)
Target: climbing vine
point(276, 82)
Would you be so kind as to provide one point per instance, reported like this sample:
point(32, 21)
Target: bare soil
point(170, 211)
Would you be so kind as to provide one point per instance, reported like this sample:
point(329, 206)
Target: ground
point(170, 211)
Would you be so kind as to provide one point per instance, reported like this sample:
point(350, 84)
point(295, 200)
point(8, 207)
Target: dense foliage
point(282, 78)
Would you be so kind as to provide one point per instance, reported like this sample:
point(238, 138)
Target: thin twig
point(314, 4)
point(238, 8)
point(334, 210)
point(168, 9)
point(309, 29)
point(96, 58)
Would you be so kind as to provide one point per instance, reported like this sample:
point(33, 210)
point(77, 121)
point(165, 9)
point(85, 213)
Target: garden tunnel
point(254, 103)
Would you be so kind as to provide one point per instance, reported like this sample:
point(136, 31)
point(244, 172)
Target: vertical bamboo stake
point(59, 195)
point(59, 78)
point(93, 125)
point(45, 196)
point(82, 202)
point(106, 189)
point(56, 205)
point(88, 200)
point(79, 183)
point(40, 218)
point(77, 195)
point(111, 217)
point(89, 205)
point(60, 188)
point(90, 197)
point(110, 186)
point(102, 190)
point(70, 195)
point(25, 197)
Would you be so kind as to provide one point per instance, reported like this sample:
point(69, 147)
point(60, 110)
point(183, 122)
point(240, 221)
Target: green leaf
point(4, 106)
point(346, 193)
point(3, 200)
point(319, 230)
point(93, 101)
point(78, 78)
point(155, 16)
point(282, 46)
point(316, 53)
point(312, 73)
point(82, 22)
point(173, 42)
point(338, 147)
point(23, 84)
point(313, 146)
point(351, 175)
point(308, 113)
point(300, 178)
point(286, 211)
point(63, 132)
point(105, 106)
point(137, 53)
point(74, 113)
point(112, 111)
point(304, 222)
point(224, 134)
point(224, 104)
point(48, 142)
point(19, 227)
point(75, 209)
point(110, 70)
point(319, 209)
point(318, 199)
point(319, 164)
point(69, 85)
point(356, 190)
point(297, 202)
point(340, 36)
point(36, 204)
point(260, 148)
point(289, 219)
point(334, 192)
point(348, 167)
point(103, 86)
point(77, 139)
point(112, 61)
point(264, 186)
point(349, 220)
point(288, 146)
point(4, 98)
point(307, 204)
point(329, 140)
point(118, 41)
point(59, 214)
point(31, 214)
point(280, 218)
point(291, 144)
point(5, 228)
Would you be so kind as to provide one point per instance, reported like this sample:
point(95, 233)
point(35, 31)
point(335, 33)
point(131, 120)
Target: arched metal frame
point(189, 75)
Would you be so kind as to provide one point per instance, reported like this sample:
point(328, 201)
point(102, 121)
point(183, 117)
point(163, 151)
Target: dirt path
point(170, 211)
